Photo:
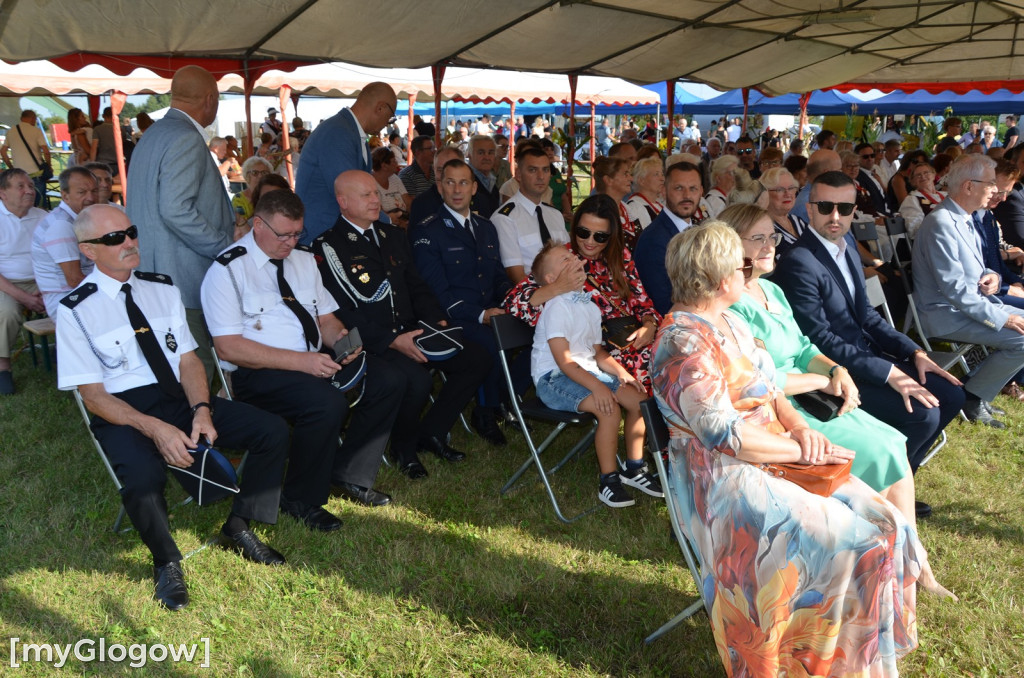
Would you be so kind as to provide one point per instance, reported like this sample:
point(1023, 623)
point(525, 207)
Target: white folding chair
point(657, 443)
point(512, 334)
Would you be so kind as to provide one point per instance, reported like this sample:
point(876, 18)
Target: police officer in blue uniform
point(458, 256)
point(368, 267)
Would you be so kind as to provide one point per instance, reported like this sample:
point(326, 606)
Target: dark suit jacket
point(425, 205)
point(877, 196)
point(353, 271)
point(845, 328)
point(991, 254)
point(1010, 215)
point(464, 272)
point(649, 259)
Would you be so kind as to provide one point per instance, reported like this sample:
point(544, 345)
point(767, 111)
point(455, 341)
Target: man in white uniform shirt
point(18, 291)
point(524, 223)
point(57, 264)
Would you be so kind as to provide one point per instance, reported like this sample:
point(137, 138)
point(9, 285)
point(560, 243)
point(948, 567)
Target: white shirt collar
point(525, 202)
point(195, 123)
point(359, 229)
point(681, 224)
point(834, 250)
point(458, 217)
point(106, 284)
point(362, 132)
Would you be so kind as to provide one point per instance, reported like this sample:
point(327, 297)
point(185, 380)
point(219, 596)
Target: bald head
point(821, 161)
point(375, 106)
point(97, 220)
point(194, 91)
point(356, 193)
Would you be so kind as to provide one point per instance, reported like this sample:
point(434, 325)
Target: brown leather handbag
point(820, 480)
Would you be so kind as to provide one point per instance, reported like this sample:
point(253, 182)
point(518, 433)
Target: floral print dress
point(639, 305)
point(794, 584)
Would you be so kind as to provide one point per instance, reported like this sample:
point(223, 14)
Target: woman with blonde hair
point(646, 203)
point(782, 189)
point(794, 583)
point(723, 180)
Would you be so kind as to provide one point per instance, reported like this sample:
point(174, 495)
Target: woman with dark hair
point(627, 314)
point(899, 186)
point(82, 143)
point(394, 198)
point(614, 178)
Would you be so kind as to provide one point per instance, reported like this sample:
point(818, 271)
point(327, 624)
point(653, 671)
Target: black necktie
point(545, 234)
point(309, 328)
point(154, 355)
point(368, 234)
point(469, 230)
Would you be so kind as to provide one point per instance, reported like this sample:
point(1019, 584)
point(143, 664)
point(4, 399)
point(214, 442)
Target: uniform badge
point(353, 237)
point(364, 278)
point(172, 345)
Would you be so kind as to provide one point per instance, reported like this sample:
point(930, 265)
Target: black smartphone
point(347, 345)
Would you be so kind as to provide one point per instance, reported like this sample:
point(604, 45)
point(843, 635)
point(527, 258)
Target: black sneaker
point(613, 494)
point(643, 481)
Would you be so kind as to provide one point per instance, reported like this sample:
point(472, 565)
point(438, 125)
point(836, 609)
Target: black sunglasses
point(867, 155)
point(747, 267)
point(744, 151)
point(600, 237)
point(825, 207)
point(114, 238)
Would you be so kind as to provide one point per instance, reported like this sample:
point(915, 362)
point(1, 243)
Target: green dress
point(881, 450)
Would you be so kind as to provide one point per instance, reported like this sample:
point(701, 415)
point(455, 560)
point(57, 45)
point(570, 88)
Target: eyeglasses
point(779, 190)
point(1000, 194)
point(826, 207)
point(114, 238)
point(747, 267)
point(867, 155)
point(984, 181)
point(600, 237)
point(283, 237)
point(762, 240)
point(393, 118)
point(744, 151)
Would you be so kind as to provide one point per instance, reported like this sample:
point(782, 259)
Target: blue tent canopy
point(923, 102)
point(731, 103)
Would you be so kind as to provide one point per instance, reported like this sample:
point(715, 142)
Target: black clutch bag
point(820, 405)
point(616, 331)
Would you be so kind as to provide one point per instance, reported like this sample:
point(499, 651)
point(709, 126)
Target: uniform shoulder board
point(507, 209)
point(547, 204)
point(154, 277)
point(304, 248)
point(231, 255)
point(75, 297)
point(426, 220)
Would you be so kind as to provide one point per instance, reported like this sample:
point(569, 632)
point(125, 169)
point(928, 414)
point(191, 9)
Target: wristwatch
point(832, 371)
point(195, 408)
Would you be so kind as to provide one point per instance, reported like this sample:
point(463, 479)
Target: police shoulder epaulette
point(154, 277)
point(75, 297)
point(547, 204)
point(304, 248)
point(231, 255)
point(426, 220)
point(507, 209)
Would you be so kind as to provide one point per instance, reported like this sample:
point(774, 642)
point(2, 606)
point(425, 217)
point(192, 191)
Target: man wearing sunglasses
point(125, 344)
point(748, 161)
point(869, 179)
point(823, 281)
point(957, 294)
point(336, 145)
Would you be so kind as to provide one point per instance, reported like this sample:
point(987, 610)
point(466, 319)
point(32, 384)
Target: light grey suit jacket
point(948, 264)
point(177, 199)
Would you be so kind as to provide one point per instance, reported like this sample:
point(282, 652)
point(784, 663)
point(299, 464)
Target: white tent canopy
point(775, 45)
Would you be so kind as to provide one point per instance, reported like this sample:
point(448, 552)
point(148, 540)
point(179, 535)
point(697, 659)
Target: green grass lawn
point(453, 579)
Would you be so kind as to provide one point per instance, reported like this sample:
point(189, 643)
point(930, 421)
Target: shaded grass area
point(452, 580)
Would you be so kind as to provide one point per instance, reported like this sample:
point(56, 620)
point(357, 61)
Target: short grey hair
point(723, 164)
point(644, 167)
point(968, 167)
point(87, 219)
point(251, 163)
point(65, 177)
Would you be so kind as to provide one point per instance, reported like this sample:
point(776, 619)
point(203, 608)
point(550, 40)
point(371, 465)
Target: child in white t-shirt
point(573, 372)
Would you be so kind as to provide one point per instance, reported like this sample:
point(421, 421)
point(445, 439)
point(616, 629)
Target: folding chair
point(876, 299)
point(657, 442)
point(512, 334)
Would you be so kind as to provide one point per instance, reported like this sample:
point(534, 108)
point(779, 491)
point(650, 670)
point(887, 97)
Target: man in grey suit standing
point(955, 292)
point(177, 199)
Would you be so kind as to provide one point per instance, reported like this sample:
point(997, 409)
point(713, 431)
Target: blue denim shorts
point(559, 392)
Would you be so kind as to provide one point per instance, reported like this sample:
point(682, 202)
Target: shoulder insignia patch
point(75, 297)
point(507, 209)
point(231, 255)
point(154, 277)
point(304, 248)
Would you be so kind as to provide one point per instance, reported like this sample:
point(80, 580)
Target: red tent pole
point(593, 131)
point(670, 93)
point(746, 101)
point(804, 98)
point(117, 100)
point(573, 79)
point(94, 108)
point(283, 95)
point(437, 75)
point(512, 137)
point(409, 134)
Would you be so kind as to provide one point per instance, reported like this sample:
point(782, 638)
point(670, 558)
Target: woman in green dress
point(881, 459)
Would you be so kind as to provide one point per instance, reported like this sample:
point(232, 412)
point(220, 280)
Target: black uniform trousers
point(317, 412)
point(922, 426)
point(493, 391)
point(143, 472)
point(464, 372)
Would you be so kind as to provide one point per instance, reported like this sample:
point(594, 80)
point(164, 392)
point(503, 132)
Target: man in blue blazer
point(683, 191)
point(337, 145)
point(1010, 212)
point(177, 199)
point(956, 293)
point(824, 283)
point(458, 256)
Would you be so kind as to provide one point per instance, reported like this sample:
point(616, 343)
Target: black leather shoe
point(314, 517)
point(922, 509)
point(994, 410)
point(171, 591)
point(251, 548)
point(486, 426)
point(413, 470)
point(362, 495)
point(441, 449)
point(507, 418)
point(977, 413)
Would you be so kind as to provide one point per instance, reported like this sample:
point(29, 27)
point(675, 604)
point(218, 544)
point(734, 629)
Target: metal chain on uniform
point(92, 347)
point(338, 270)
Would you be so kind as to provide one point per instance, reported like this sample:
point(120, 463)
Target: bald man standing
point(337, 145)
point(176, 196)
